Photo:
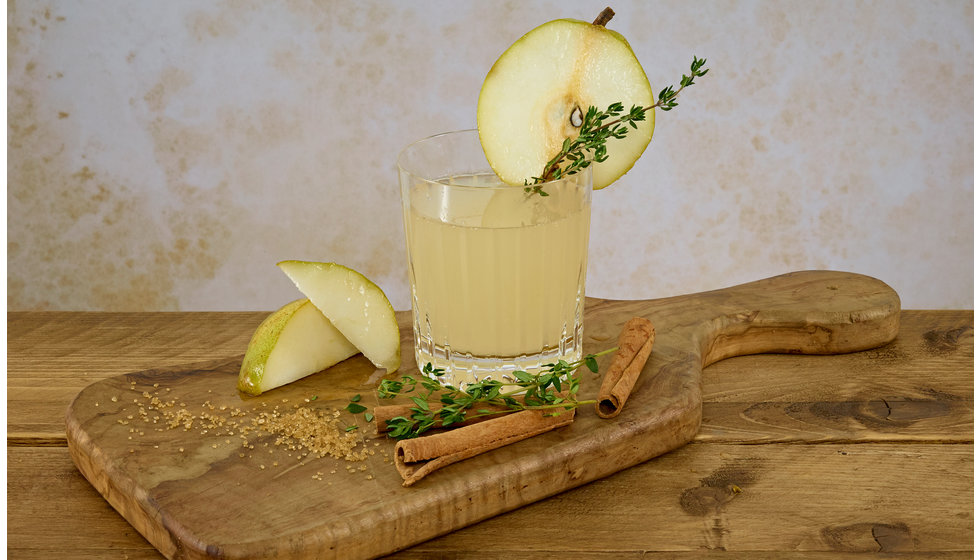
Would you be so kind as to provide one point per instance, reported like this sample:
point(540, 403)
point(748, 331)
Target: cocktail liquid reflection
point(497, 274)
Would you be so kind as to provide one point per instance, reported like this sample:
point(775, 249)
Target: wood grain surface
point(908, 405)
point(177, 484)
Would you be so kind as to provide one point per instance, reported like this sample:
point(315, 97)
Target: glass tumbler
point(497, 274)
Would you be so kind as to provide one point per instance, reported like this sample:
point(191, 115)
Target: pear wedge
point(537, 92)
point(355, 305)
point(291, 343)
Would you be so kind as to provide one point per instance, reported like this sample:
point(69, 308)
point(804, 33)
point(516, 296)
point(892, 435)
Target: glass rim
point(402, 168)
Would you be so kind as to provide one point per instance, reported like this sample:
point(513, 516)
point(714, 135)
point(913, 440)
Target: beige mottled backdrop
point(164, 155)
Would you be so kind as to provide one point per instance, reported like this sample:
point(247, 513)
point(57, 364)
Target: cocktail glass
point(497, 273)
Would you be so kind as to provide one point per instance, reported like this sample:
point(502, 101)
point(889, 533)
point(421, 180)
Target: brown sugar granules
point(309, 431)
point(313, 430)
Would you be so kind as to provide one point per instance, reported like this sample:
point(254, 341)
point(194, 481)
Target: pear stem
point(604, 16)
point(601, 20)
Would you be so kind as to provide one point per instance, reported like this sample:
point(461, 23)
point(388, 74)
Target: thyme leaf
point(598, 127)
point(553, 389)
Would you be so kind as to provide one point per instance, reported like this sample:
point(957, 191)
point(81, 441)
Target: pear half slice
point(355, 305)
point(291, 343)
point(540, 88)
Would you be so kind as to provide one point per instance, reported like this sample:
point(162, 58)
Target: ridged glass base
point(497, 274)
point(462, 368)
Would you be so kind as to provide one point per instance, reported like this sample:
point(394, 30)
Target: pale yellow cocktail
point(497, 274)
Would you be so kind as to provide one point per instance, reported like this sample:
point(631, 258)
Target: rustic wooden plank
point(51, 356)
point(926, 361)
point(897, 498)
point(910, 418)
point(83, 554)
point(732, 383)
point(911, 389)
point(52, 509)
point(139, 554)
point(911, 500)
point(174, 486)
point(507, 554)
point(72, 344)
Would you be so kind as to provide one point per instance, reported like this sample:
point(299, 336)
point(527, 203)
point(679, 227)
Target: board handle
point(806, 312)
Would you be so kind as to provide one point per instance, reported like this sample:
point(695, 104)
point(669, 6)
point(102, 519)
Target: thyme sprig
point(597, 128)
point(555, 389)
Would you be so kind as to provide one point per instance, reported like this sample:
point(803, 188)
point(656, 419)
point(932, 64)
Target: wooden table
point(806, 456)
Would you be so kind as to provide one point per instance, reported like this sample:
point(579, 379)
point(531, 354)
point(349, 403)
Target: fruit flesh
point(291, 343)
point(355, 305)
point(529, 95)
point(308, 343)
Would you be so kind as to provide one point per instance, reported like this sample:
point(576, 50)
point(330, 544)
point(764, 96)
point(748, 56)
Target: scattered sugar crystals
point(303, 432)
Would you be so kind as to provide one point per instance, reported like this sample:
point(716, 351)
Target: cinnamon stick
point(635, 344)
point(419, 457)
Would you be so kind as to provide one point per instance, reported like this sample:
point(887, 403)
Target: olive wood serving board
point(205, 495)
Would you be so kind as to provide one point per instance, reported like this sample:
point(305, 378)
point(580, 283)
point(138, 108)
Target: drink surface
point(497, 273)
